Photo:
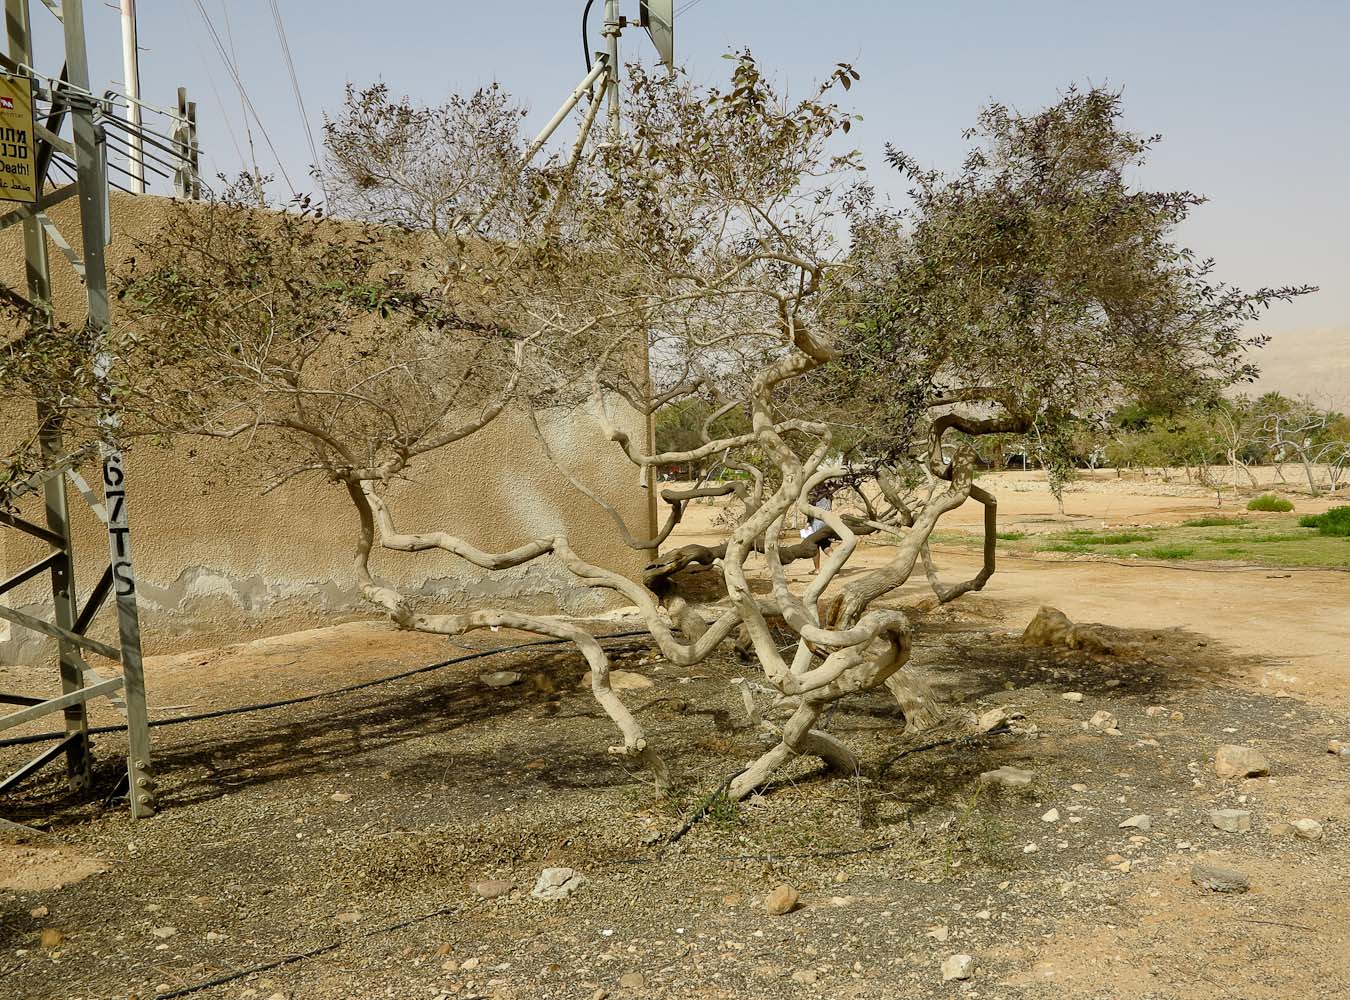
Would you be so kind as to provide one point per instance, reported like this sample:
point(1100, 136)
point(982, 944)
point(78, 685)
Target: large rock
point(557, 883)
point(1231, 820)
point(620, 680)
point(1240, 762)
point(1053, 628)
point(1216, 878)
point(783, 899)
point(1008, 777)
point(1308, 829)
point(958, 967)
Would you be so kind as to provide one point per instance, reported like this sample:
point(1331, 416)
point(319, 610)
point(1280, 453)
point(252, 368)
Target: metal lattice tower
point(93, 121)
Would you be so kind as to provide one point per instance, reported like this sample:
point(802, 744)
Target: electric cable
point(302, 699)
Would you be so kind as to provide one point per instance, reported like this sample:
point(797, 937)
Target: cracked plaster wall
point(218, 562)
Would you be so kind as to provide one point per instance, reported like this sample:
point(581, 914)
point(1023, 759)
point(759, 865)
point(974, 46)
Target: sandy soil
point(329, 845)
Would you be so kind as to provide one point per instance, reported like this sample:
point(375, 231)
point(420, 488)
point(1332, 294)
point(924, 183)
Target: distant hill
point(1312, 363)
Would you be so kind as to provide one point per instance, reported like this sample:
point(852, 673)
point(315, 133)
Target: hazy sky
point(1251, 98)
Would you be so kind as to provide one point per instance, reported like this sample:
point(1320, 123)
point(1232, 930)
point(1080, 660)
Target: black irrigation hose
point(301, 699)
point(230, 977)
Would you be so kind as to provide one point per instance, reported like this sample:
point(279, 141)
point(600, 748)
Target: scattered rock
point(1231, 820)
point(957, 967)
point(1239, 762)
point(783, 899)
point(215, 936)
point(51, 937)
point(807, 977)
point(1008, 777)
point(469, 964)
point(1308, 829)
point(500, 678)
point(557, 883)
point(621, 680)
point(1216, 878)
point(1104, 721)
point(1051, 817)
point(1053, 628)
point(492, 888)
point(993, 719)
point(1074, 696)
point(1142, 822)
point(164, 933)
point(348, 917)
point(1155, 711)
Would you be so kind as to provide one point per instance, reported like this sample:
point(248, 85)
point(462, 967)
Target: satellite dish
point(658, 17)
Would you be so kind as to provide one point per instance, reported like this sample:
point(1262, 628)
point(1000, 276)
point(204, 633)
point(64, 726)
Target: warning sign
point(18, 145)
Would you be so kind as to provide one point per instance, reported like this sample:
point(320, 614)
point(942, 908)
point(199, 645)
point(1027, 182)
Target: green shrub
point(1270, 502)
point(1120, 538)
point(1011, 536)
point(1334, 522)
point(1169, 552)
point(1213, 522)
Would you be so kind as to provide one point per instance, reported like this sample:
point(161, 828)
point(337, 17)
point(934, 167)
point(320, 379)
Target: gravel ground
point(336, 842)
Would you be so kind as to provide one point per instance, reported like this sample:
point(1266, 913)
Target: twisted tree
point(829, 338)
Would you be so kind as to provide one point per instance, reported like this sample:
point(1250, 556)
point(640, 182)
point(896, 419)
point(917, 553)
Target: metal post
point(194, 154)
point(131, 70)
point(78, 756)
point(93, 198)
point(612, 27)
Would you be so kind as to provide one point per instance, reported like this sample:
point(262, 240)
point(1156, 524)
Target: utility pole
point(131, 72)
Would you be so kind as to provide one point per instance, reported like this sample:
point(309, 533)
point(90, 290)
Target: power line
point(295, 89)
point(243, 93)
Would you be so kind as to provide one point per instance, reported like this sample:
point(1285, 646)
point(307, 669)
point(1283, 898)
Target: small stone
point(1219, 879)
point(164, 933)
point(632, 981)
point(1142, 822)
point(1103, 721)
point(1074, 696)
point(1231, 820)
point(1336, 747)
point(958, 967)
point(1155, 711)
point(1308, 829)
point(1051, 817)
point(38, 911)
point(1281, 830)
point(940, 932)
point(1114, 859)
point(341, 796)
point(469, 964)
point(1030, 849)
point(492, 888)
point(51, 937)
point(215, 936)
point(621, 680)
point(1239, 762)
point(348, 917)
point(557, 883)
point(991, 720)
point(443, 949)
point(500, 678)
point(1177, 717)
point(807, 977)
point(1079, 788)
point(1008, 777)
point(1124, 866)
point(783, 899)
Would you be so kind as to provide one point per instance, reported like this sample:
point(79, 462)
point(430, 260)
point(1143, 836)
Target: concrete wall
point(218, 562)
